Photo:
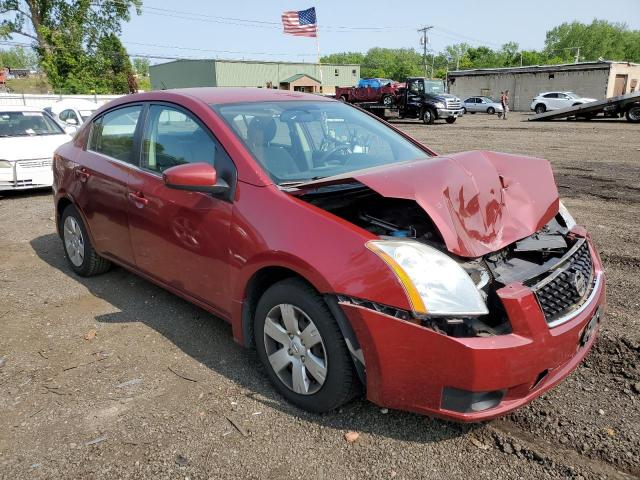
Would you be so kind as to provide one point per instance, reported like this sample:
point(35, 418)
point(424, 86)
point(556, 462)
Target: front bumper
point(446, 113)
point(26, 174)
point(410, 367)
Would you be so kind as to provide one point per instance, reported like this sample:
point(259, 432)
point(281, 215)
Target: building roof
point(298, 76)
point(601, 64)
point(225, 60)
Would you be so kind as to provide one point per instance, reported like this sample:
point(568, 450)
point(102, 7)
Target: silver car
point(482, 104)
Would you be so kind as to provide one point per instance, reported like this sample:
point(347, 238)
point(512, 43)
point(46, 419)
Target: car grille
point(453, 103)
point(41, 162)
point(558, 293)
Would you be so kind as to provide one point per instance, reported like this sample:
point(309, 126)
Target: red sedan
point(348, 254)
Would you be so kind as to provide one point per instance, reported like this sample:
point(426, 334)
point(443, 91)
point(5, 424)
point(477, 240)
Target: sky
point(197, 28)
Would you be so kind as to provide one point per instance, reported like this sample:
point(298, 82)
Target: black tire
point(343, 98)
point(464, 110)
point(491, 110)
point(387, 101)
point(91, 263)
point(451, 120)
point(472, 113)
point(540, 108)
point(341, 383)
point(428, 116)
point(633, 114)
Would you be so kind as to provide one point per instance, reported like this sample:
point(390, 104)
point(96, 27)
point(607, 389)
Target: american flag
point(302, 23)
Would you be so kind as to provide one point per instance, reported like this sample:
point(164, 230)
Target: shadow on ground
point(208, 340)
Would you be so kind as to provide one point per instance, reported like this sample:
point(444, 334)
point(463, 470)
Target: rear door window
point(113, 133)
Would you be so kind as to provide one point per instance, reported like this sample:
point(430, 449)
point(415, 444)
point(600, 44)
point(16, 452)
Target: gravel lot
point(112, 377)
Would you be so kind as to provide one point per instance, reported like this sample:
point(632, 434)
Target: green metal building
point(305, 77)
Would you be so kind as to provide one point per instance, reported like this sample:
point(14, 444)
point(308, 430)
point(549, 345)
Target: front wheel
point(302, 348)
point(540, 108)
point(491, 110)
point(80, 254)
point(451, 119)
point(633, 114)
point(428, 117)
point(387, 101)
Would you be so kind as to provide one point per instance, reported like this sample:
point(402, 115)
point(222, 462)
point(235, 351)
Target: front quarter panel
point(273, 229)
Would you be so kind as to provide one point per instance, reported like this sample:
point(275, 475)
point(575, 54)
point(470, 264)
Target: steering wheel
point(338, 148)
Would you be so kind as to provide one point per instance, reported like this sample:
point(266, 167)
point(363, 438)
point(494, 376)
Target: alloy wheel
point(74, 241)
point(295, 349)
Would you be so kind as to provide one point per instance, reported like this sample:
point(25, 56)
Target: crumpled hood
point(30, 147)
point(480, 201)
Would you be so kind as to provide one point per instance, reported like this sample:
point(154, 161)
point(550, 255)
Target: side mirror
point(70, 129)
point(71, 121)
point(195, 177)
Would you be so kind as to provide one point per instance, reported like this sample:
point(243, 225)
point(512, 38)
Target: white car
point(73, 112)
point(28, 138)
point(546, 101)
point(482, 104)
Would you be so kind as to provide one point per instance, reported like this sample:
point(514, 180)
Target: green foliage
point(76, 41)
point(141, 66)
point(18, 57)
point(599, 39)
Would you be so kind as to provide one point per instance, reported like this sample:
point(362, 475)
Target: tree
point(600, 39)
point(18, 57)
point(141, 66)
point(66, 34)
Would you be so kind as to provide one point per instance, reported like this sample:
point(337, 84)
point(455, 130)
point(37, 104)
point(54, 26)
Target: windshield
point(434, 86)
point(302, 141)
point(23, 124)
point(571, 94)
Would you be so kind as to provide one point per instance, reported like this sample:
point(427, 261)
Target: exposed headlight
point(434, 282)
point(566, 216)
point(5, 164)
point(440, 104)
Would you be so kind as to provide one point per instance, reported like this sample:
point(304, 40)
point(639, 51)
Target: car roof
point(224, 95)
point(19, 108)
point(74, 103)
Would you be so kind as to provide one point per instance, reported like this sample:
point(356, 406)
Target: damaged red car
point(349, 255)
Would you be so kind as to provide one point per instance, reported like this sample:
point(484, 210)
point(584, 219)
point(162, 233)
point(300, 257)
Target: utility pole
point(424, 42)
point(577, 54)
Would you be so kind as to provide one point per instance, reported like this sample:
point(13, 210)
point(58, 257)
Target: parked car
point(28, 138)
point(481, 104)
point(74, 112)
point(556, 100)
point(347, 253)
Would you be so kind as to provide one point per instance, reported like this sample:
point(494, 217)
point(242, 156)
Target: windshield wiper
point(299, 182)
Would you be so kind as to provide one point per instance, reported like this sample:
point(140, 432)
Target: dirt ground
point(112, 377)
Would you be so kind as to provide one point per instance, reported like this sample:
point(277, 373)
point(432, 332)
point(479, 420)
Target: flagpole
point(318, 49)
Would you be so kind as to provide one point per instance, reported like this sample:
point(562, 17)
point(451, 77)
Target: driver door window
point(173, 137)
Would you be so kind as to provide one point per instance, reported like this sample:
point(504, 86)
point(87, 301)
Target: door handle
point(138, 199)
point(82, 174)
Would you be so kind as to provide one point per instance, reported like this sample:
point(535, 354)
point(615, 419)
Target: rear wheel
point(79, 252)
point(540, 108)
point(343, 98)
point(491, 110)
point(302, 348)
point(428, 117)
point(633, 114)
point(451, 119)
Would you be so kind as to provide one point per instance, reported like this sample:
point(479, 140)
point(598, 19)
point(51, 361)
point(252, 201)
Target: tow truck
point(417, 97)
